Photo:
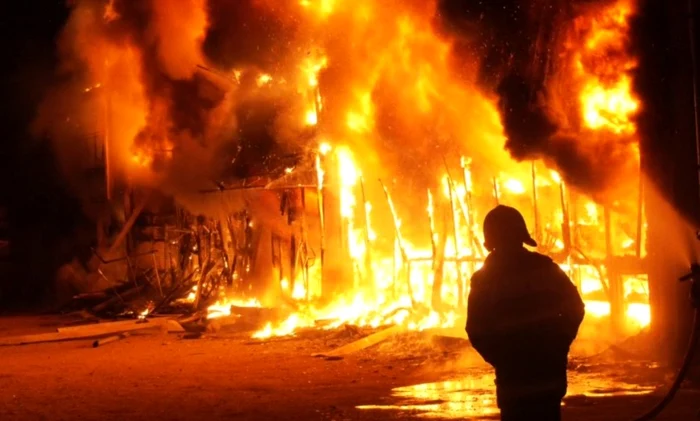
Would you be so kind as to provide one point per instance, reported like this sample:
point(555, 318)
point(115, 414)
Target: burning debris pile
point(333, 161)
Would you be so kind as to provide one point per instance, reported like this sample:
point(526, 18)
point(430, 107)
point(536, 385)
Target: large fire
point(606, 103)
point(376, 93)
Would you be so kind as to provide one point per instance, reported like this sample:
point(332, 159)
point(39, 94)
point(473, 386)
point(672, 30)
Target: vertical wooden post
point(534, 202)
point(107, 143)
point(496, 193)
point(320, 180)
point(615, 290)
point(640, 216)
point(369, 270)
point(566, 224)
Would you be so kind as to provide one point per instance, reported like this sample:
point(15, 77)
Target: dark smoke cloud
point(519, 43)
point(243, 34)
point(212, 128)
point(193, 122)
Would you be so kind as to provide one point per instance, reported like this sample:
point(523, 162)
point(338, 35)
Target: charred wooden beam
point(90, 331)
point(117, 298)
point(128, 225)
point(535, 206)
point(368, 246)
point(455, 233)
point(363, 343)
point(109, 339)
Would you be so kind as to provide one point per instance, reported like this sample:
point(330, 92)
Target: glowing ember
point(639, 313)
point(514, 186)
point(285, 328)
point(144, 313)
point(97, 86)
point(264, 79)
point(324, 148)
point(311, 118)
point(555, 177)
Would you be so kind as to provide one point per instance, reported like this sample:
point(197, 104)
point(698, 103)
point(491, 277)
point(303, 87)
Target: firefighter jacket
point(523, 314)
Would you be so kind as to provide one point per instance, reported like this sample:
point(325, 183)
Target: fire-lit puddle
point(474, 397)
point(468, 397)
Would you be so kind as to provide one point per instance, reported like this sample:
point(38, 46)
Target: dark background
point(42, 214)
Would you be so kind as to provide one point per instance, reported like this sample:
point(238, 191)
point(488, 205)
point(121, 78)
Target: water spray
point(694, 275)
point(694, 278)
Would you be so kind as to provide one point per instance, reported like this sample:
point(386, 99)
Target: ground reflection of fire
point(474, 396)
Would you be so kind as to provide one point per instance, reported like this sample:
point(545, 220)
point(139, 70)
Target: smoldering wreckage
point(289, 167)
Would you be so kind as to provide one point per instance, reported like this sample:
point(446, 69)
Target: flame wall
point(402, 83)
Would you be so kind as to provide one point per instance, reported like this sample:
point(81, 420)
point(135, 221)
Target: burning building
point(336, 158)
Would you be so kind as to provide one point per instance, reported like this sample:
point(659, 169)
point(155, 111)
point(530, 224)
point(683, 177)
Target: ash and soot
point(391, 127)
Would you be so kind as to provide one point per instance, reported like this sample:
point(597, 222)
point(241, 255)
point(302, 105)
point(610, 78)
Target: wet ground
point(227, 376)
point(471, 395)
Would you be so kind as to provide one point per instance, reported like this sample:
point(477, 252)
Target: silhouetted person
point(524, 312)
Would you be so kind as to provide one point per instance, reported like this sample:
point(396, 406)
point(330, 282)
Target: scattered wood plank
point(193, 318)
point(216, 324)
point(324, 322)
point(82, 317)
point(99, 295)
point(91, 331)
point(111, 327)
point(173, 326)
point(102, 327)
point(258, 313)
point(128, 225)
point(110, 339)
point(363, 343)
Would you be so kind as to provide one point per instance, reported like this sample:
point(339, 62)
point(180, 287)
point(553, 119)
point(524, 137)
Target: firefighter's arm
point(477, 323)
point(572, 306)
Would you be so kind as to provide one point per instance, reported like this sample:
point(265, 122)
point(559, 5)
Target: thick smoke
point(201, 92)
point(528, 49)
point(131, 77)
point(173, 124)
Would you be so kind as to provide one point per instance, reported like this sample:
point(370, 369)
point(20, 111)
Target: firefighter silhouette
point(523, 314)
